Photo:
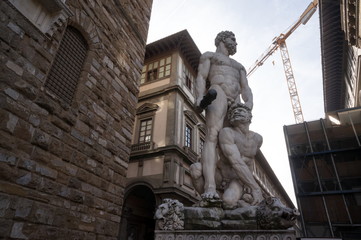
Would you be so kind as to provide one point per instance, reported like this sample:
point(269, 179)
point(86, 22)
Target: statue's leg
point(232, 194)
point(215, 114)
point(244, 173)
point(197, 177)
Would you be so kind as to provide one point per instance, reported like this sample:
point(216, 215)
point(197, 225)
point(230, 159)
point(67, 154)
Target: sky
point(256, 23)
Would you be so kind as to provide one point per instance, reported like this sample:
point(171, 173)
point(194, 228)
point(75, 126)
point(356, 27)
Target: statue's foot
point(257, 197)
point(208, 195)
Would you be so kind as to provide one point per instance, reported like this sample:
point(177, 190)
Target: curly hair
point(234, 106)
point(221, 37)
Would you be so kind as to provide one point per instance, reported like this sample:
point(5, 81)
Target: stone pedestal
point(225, 235)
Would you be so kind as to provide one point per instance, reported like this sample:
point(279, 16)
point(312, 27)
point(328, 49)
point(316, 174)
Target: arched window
point(64, 74)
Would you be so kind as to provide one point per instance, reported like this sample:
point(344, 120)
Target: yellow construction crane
point(280, 42)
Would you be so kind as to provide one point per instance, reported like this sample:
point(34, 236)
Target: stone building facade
point(69, 82)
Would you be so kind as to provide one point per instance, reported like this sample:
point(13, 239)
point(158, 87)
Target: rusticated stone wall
point(62, 167)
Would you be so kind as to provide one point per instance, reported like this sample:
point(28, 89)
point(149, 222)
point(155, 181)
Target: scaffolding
point(325, 161)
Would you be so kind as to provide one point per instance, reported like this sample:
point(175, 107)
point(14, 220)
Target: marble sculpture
point(231, 197)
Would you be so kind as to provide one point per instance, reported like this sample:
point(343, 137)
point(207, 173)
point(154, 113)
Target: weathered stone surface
point(57, 167)
point(226, 234)
point(215, 214)
point(269, 214)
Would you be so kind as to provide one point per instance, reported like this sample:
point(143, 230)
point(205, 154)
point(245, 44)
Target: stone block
point(15, 68)
point(77, 135)
point(41, 139)
point(13, 189)
point(46, 103)
point(5, 227)
point(61, 123)
point(46, 171)
point(40, 156)
point(12, 93)
point(102, 142)
point(75, 183)
point(25, 88)
point(51, 129)
point(68, 152)
point(56, 147)
point(4, 205)
point(23, 208)
point(99, 111)
point(71, 169)
point(8, 122)
point(7, 172)
point(49, 186)
point(5, 158)
point(16, 29)
point(62, 178)
point(24, 130)
point(24, 179)
point(34, 120)
point(44, 215)
point(87, 227)
point(17, 231)
point(68, 117)
point(27, 164)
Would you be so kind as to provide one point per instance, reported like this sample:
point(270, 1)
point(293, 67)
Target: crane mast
point(291, 83)
point(280, 42)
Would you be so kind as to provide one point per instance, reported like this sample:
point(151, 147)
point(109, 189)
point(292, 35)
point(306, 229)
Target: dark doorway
point(137, 216)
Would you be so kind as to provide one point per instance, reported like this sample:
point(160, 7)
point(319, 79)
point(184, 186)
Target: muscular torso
point(226, 73)
point(247, 144)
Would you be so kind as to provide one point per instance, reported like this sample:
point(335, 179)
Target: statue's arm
point(246, 91)
point(234, 156)
point(259, 140)
point(203, 71)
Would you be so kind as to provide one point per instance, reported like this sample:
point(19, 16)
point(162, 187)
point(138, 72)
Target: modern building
point(325, 155)
point(168, 137)
point(68, 92)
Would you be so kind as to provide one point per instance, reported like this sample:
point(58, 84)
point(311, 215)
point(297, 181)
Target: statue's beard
point(242, 120)
point(232, 49)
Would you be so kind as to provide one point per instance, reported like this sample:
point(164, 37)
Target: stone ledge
point(225, 235)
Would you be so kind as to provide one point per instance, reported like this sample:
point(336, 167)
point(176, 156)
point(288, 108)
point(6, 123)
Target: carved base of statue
point(225, 235)
point(270, 214)
point(268, 220)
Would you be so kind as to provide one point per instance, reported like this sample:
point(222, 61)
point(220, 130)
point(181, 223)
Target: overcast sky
point(255, 23)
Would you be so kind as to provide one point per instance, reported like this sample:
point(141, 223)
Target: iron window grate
point(65, 71)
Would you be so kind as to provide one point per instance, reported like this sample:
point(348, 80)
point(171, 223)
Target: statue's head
point(239, 112)
point(229, 39)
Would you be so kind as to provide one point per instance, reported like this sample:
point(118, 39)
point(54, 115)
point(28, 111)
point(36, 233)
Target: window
point(152, 74)
point(47, 16)
point(64, 74)
point(188, 83)
point(201, 145)
point(188, 77)
point(156, 70)
point(145, 133)
point(188, 136)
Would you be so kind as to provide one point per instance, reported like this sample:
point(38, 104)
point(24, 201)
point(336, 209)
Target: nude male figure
point(228, 78)
point(239, 146)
